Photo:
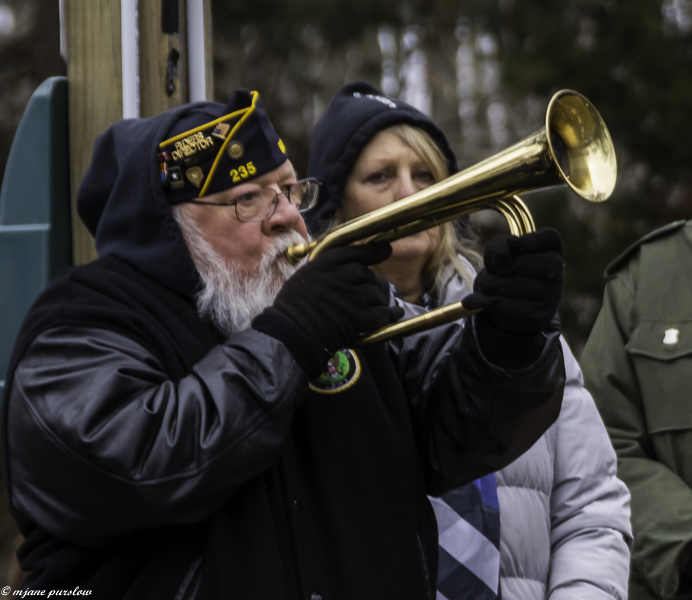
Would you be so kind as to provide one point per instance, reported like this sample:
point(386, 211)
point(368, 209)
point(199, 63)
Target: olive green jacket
point(638, 366)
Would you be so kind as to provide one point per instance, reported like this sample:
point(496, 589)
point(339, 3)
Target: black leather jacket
point(176, 450)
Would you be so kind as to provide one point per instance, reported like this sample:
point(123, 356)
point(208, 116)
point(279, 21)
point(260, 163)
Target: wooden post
point(97, 52)
point(94, 73)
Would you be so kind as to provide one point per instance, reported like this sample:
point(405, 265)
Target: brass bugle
point(573, 148)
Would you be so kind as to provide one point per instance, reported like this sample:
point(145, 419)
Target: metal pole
point(129, 34)
point(197, 63)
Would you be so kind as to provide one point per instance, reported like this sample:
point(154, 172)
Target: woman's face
point(388, 170)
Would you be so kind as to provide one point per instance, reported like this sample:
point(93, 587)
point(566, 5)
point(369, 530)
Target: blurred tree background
point(483, 69)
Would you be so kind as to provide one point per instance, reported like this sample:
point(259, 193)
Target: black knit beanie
point(355, 115)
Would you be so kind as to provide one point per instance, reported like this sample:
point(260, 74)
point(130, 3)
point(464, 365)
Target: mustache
point(282, 243)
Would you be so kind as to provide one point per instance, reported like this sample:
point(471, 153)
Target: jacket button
point(297, 505)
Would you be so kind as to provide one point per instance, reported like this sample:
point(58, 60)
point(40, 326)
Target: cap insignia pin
point(174, 178)
point(221, 130)
point(235, 150)
point(195, 175)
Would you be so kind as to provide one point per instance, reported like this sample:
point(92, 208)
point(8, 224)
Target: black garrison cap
point(213, 147)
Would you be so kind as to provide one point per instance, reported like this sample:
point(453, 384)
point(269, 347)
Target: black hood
point(122, 202)
point(356, 113)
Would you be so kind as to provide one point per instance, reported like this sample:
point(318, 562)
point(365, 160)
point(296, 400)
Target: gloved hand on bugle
point(519, 291)
point(328, 302)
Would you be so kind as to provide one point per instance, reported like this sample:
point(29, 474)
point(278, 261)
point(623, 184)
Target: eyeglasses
point(259, 205)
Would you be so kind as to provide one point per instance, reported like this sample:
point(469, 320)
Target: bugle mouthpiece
point(297, 252)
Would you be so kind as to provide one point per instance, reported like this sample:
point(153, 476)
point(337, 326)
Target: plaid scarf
point(468, 520)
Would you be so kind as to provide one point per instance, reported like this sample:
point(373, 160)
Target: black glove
point(519, 291)
point(328, 302)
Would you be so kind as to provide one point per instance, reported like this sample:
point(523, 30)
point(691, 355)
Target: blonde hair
point(452, 243)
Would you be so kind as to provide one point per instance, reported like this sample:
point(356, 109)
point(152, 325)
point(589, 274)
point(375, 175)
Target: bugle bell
point(573, 148)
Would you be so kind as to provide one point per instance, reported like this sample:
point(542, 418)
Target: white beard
point(232, 295)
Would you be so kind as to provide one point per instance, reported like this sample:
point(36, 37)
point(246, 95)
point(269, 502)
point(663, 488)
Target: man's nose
point(285, 217)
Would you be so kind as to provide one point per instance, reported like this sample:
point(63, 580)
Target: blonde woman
point(564, 528)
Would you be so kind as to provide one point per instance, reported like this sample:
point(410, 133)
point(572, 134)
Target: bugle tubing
point(573, 148)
